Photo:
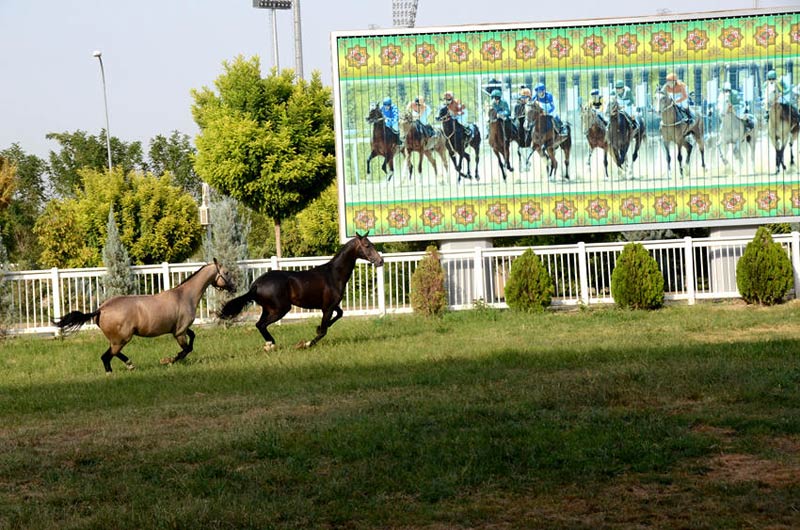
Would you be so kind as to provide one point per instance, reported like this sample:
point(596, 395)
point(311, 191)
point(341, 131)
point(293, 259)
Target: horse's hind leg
point(110, 353)
point(270, 317)
point(186, 347)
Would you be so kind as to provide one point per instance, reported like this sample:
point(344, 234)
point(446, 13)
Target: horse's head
point(613, 105)
point(366, 250)
point(223, 280)
point(663, 101)
point(443, 115)
point(375, 115)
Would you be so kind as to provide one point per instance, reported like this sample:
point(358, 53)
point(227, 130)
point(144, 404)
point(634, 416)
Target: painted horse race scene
point(671, 122)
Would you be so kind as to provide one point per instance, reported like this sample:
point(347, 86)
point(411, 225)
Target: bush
point(637, 282)
point(529, 286)
point(764, 272)
point(428, 296)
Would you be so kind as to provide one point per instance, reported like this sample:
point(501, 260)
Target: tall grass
point(685, 417)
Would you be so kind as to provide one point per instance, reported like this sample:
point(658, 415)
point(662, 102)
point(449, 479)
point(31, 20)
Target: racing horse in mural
point(595, 130)
point(423, 140)
point(783, 125)
point(622, 130)
point(501, 133)
point(676, 131)
point(734, 134)
point(385, 142)
point(458, 139)
point(545, 138)
point(522, 137)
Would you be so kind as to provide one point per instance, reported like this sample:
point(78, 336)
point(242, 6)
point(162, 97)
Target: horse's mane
point(192, 275)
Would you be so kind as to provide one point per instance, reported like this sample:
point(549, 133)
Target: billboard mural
point(446, 133)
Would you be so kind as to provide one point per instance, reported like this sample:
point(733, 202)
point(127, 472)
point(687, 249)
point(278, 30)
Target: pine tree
point(118, 280)
point(229, 231)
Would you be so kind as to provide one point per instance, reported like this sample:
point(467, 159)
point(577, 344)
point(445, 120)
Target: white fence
point(693, 269)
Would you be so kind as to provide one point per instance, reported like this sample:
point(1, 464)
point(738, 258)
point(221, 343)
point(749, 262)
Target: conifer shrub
point(529, 286)
point(764, 272)
point(119, 279)
point(428, 295)
point(6, 298)
point(637, 282)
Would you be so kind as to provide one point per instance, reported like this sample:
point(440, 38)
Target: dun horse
point(783, 126)
point(675, 131)
point(545, 139)
point(458, 139)
point(384, 142)
point(733, 136)
point(522, 138)
point(416, 139)
point(621, 133)
point(319, 288)
point(171, 311)
point(595, 130)
point(501, 132)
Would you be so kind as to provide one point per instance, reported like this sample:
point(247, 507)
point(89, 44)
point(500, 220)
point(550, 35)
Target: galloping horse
point(171, 311)
point(674, 130)
point(783, 126)
point(319, 288)
point(522, 138)
point(545, 139)
point(384, 142)
point(733, 135)
point(595, 130)
point(458, 139)
point(501, 132)
point(619, 135)
point(416, 139)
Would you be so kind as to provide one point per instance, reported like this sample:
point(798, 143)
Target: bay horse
point(384, 142)
point(501, 132)
point(783, 126)
point(171, 311)
point(522, 137)
point(734, 134)
point(321, 287)
point(545, 139)
point(676, 131)
point(458, 139)
point(417, 139)
point(619, 135)
point(595, 130)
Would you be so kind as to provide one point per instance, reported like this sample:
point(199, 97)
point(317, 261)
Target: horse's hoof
point(130, 367)
point(167, 360)
point(303, 344)
point(269, 346)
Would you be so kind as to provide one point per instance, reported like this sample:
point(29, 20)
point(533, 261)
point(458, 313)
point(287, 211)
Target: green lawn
point(688, 417)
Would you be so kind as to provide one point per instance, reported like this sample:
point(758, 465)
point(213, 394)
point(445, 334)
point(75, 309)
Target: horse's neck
point(193, 288)
point(343, 263)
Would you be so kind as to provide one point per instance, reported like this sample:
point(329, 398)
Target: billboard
point(657, 122)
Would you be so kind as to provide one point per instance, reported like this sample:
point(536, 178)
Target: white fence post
point(478, 292)
point(56, 281)
point(583, 272)
point(796, 262)
point(273, 263)
point(688, 268)
point(381, 290)
point(165, 276)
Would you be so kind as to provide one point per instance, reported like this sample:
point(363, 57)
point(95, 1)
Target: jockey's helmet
point(620, 84)
point(387, 101)
point(672, 76)
point(595, 92)
point(497, 94)
point(772, 75)
point(526, 92)
point(726, 87)
point(448, 96)
point(540, 87)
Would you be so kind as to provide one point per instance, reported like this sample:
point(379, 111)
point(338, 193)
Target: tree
point(636, 281)
point(118, 280)
point(529, 287)
point(318, 224)
point(25, 204)
point(764, 272)
point(6, 298)
point(428, 295)
point(158, 221)
point(175, 155)
point(229, 231)
point(267, 143)
point(79, 150)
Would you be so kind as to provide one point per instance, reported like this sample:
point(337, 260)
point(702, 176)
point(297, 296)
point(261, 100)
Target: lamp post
point(99, 56)
point(273, 5)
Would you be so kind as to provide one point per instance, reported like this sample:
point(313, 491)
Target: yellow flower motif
point(492, 50)
point(531, 211)
point(697, 40)
point(391, 55)
point(631, 207)
point(661, 42)
point(357, 56)
point(425, 53)
point(564, 210)
point(597, 208)
point(458, 52)
point(665, 205)
point(559, 47)
point(699, 204)
point(593, 46)
point(767, 200)
point(365, 219)
point(731, 38)
point(464, 214)
point(627, 44)
point(733, 202)
point(398, 218)
point(765, 35)
point(525, 49)
point(432, 216)
point(498, 213)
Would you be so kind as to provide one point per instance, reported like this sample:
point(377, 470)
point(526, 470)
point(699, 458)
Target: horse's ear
point(216, 262)
point(359, 236)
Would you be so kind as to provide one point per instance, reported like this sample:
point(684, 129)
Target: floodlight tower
point(404, 13)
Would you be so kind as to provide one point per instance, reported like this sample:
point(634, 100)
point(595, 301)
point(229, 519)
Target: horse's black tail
point(235, 306)
point(73, 320)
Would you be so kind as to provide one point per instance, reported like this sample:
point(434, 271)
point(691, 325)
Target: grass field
point(688, 417)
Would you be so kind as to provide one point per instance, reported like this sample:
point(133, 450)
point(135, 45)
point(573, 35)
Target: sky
point(156, 51)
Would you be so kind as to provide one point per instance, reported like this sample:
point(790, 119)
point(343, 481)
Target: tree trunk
point(278, 238)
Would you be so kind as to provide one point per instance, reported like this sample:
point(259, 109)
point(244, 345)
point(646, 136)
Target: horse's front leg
point(322, 329)
point(186, 347)
point(669, 158)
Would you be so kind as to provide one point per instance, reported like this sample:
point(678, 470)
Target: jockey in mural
point(676, 89)
point(775, 88)
point(419, 112)
point(627, 104)
point(730, 96)
point(546, 101)
point(598, 105)
point(454, 107)
point(390, 113)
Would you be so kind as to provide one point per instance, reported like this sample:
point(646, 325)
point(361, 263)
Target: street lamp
point(273, 5)
point(99, 56)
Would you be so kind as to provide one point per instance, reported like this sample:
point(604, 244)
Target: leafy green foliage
point(118, 280)
point(175, 155)
point(764, 272)
point(428, 295)
point(267, 143)
point(229, 231)
point(6, 299)
point(158, 221)
point(25, 205)
point(318, 224)
point(529, 286)
point(637, 282)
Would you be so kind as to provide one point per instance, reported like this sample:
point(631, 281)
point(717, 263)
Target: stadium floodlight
point(404, 13)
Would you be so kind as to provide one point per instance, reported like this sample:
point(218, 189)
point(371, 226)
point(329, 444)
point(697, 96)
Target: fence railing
point(693, 269)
